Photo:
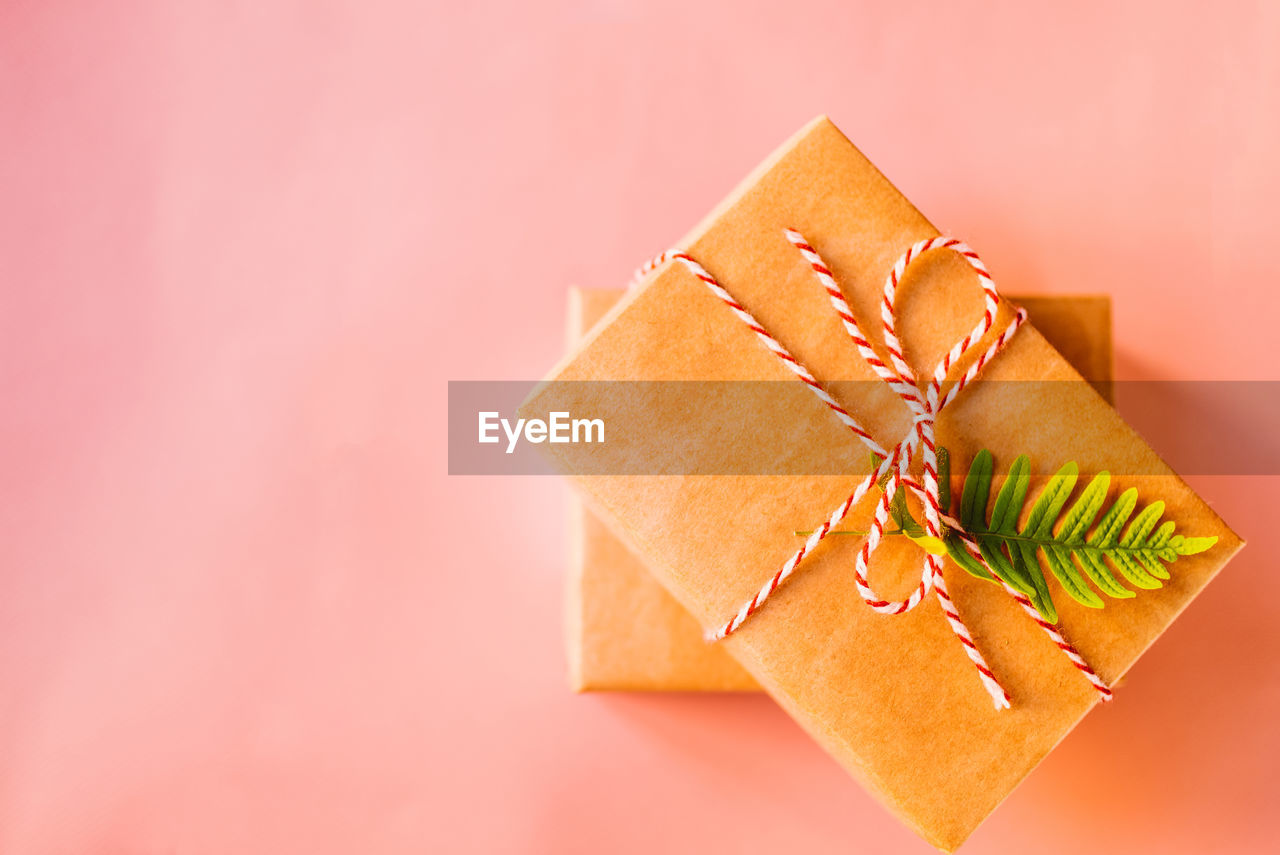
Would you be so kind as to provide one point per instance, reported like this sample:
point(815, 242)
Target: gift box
point(891, 696)
point(624, 632)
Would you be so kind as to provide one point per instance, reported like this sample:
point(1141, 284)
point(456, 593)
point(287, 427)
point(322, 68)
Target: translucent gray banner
point(777, 427)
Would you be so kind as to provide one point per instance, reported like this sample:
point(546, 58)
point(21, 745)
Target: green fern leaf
point(1080, 545)
point(1054, 495)
point(1004, 517)
point(1041, 599)
point(944, 477)
point(977, 487)
point(1194, 545)
point(973, 508)
point(950, 539)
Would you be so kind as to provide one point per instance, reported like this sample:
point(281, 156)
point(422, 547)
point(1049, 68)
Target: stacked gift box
point(662, 556)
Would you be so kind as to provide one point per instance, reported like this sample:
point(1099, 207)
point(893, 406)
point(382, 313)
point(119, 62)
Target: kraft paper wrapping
point(624, 632)
point(892, 698)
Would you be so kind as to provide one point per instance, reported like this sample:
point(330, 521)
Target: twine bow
point(895, 467)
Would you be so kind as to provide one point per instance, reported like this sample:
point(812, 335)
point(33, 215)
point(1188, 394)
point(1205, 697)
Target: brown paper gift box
point(624, 632)
point(892, 698)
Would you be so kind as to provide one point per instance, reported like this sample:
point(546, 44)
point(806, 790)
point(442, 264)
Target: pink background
point(243, 247)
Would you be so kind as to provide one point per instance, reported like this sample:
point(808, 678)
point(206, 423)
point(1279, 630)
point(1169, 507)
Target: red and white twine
point(896, 464)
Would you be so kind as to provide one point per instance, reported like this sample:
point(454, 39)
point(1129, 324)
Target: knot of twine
point(895, 466)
